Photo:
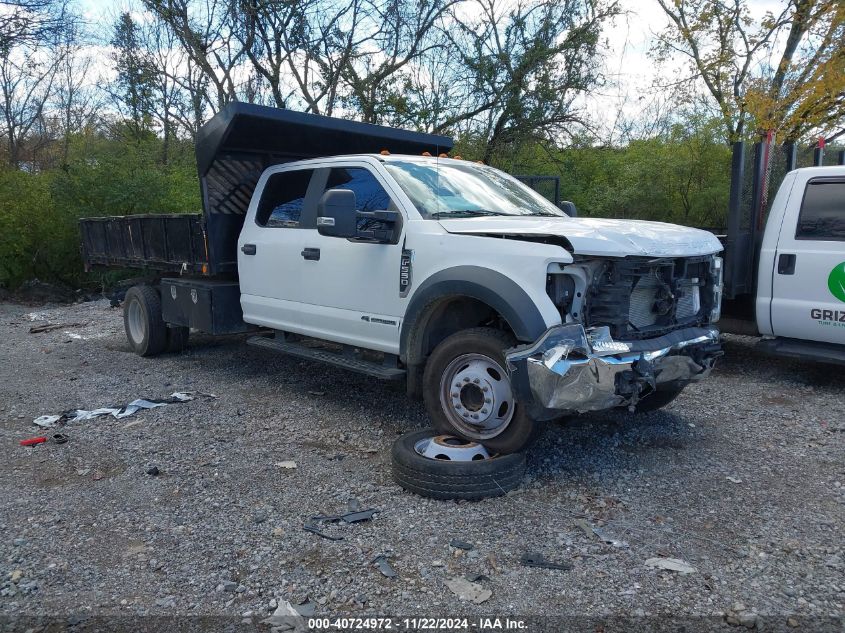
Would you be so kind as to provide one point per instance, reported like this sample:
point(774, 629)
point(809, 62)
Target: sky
point(629, 70)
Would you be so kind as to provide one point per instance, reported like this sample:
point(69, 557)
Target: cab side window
point(369, 194)
point(822, 214)
point(283, 200)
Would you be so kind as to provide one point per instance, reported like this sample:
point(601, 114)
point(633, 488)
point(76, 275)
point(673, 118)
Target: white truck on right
point(798, 302)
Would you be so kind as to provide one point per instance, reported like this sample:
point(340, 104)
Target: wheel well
point(446, 316)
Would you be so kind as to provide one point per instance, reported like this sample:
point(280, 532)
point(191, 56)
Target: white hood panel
point(598, 236)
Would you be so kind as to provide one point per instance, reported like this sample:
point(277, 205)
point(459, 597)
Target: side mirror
point(336, 215)
point(568, 208)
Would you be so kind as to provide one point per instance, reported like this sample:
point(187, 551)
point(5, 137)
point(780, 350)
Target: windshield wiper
point(462, 213)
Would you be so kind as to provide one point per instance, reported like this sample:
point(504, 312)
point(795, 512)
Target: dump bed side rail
point(161, 242)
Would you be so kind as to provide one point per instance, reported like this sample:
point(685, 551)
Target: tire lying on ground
point(448, 479)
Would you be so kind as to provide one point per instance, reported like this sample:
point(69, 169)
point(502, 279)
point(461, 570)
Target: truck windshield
point(448, 190)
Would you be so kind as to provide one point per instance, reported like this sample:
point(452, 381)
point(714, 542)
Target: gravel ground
point(742, 477)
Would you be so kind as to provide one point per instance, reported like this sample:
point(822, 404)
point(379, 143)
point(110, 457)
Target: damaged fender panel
point(573, 370)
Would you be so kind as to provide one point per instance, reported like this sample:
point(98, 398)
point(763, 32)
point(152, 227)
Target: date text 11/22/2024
point(417, 624)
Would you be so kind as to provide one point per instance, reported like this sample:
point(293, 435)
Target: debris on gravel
point(219, 531)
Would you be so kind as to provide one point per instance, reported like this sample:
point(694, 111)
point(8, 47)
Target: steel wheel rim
point(476, 396)
point(135, 318)
point(451, 448)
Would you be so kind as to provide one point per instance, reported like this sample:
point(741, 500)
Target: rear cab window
point(822, 215)
point(285, 202)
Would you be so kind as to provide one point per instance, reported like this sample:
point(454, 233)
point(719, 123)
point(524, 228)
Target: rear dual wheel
point(146, 331)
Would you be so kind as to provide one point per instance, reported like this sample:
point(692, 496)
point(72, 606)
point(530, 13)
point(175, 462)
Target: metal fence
point(757, 171)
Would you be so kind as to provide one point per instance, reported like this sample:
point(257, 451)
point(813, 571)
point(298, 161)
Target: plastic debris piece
point(309, 526)
point(60, 438)
point(361, 515)
point(154, 471)
point(599, 533)
point(468, 591)
point(533, 559)
point(458, 544)
point(384, 567)
point(734, 480)
point(46, 421)
point(32, 441)
point(288, 463)
point(671, 564)
point(119, 412)
point(286, 617)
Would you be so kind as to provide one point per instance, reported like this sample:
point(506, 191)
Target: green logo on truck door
point(836, 281)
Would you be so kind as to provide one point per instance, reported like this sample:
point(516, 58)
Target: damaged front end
point(572, 370)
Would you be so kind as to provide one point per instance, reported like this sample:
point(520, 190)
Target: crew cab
point(368, 248)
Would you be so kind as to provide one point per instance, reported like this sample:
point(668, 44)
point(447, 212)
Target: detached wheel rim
point(137, 324)
point(451, 449)
point(476, 396)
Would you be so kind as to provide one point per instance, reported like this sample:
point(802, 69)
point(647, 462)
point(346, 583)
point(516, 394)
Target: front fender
point(494, 289)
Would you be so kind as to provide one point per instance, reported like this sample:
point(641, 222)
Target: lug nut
point(466, 378)
point(485, 389)
point(484, 411)
point(487, 400)
point(476, 381)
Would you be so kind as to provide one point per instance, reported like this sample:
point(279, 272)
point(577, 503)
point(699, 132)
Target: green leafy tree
point(136, 76)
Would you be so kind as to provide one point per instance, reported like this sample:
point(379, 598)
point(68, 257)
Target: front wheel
point(468, 391)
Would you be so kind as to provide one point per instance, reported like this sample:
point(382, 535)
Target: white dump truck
point(367, 248)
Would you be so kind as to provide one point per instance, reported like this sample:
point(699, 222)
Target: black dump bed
point(232, 151)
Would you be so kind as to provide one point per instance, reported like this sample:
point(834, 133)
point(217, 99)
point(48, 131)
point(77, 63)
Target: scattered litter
point(32, 441)
point(476, 577)
point(306, 609)
point(49, 327)
point(98, 475)
point(469, 591)
point(734, 480)
point(460, 544)
point(46, 421)
point(599, 533)
point(60, 438)
point(286, 617)
point(538, 560)
point(119, 412)
point(671, 564)
point(154, 471)
point(310, 526)
point(317, 393)
point(349, 517)
point(384, 567)
point(288, 463)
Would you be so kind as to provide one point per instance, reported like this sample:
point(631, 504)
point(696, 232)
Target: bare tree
point(206, 32)
point(524, 67)
point(728, 52)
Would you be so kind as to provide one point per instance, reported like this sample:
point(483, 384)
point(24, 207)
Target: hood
point(596, 236)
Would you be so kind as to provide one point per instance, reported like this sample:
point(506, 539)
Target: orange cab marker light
point(426, 153)
point(443, 155)
point(457, 157)
point(384, 152)
point(480, 162)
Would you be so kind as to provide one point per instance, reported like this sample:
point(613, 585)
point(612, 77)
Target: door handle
point(312, 254)
point(786, 264)
point(248, 249)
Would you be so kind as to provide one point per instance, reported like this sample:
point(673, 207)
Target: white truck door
point(351, 287)
point(269, 247)
point(808, 281)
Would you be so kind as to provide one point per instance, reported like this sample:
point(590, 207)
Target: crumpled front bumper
point(571, 370)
